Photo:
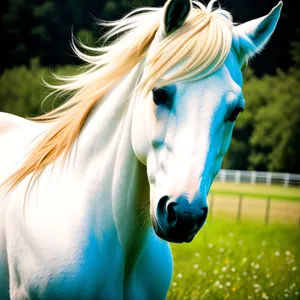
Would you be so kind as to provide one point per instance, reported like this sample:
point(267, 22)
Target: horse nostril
point(161, 206)
point(171, 214)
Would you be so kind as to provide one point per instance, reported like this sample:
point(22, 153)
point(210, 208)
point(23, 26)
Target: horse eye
point(234, 114)
point(161, 97)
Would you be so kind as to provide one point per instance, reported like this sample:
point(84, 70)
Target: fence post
point(253, 177)
point(239, 213)
point(267, 211)
point(223, 175)
point(269, 178)
point(237, 178)
point(286, 179)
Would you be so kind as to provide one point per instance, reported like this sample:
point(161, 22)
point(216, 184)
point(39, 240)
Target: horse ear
point(253, 35)
point(175, 14)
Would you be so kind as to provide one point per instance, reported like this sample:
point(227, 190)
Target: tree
point(276, 137)
point(42, 28)
point(22, 90)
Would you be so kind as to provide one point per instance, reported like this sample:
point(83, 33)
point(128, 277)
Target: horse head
point(183, 121)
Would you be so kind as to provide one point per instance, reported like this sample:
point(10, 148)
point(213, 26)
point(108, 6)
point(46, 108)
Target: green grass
point(238, 261)
point(276, 192)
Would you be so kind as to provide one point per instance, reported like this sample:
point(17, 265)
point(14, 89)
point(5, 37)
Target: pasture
point(238, 261)
point(249, 260)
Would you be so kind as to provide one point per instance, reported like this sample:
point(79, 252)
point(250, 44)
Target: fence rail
point(253, 177)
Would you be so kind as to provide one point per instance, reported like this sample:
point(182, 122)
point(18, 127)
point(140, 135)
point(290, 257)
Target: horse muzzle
point(178, 220)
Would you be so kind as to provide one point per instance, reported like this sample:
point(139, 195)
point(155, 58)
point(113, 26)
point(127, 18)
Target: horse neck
point(105, 142)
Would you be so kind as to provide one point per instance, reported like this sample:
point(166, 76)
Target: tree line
point(42, 28)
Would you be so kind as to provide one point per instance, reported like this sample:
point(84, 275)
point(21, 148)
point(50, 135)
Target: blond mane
point(201, 45)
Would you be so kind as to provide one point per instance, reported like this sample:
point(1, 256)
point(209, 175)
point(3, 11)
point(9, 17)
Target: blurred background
point(250, 247)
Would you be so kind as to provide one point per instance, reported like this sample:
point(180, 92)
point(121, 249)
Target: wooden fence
point(266, 210)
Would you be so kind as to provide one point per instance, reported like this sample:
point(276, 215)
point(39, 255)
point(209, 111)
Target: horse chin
point(172, 239)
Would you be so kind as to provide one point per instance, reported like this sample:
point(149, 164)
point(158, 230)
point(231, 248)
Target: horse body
point(16, 133)
point(71, 238)
point(85, 229)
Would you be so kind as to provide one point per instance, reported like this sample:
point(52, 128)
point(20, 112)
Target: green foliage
point(86, 37)
point(276, 137)
point(43, 28)
point(295, 52)
point(22, 90)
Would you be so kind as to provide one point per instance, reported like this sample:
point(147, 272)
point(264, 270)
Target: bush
point(22, 90)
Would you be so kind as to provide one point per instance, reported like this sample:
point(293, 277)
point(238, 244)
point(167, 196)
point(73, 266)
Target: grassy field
point(238, 261)
point(257, 191)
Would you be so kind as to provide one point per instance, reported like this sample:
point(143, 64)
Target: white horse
point(170, 88)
